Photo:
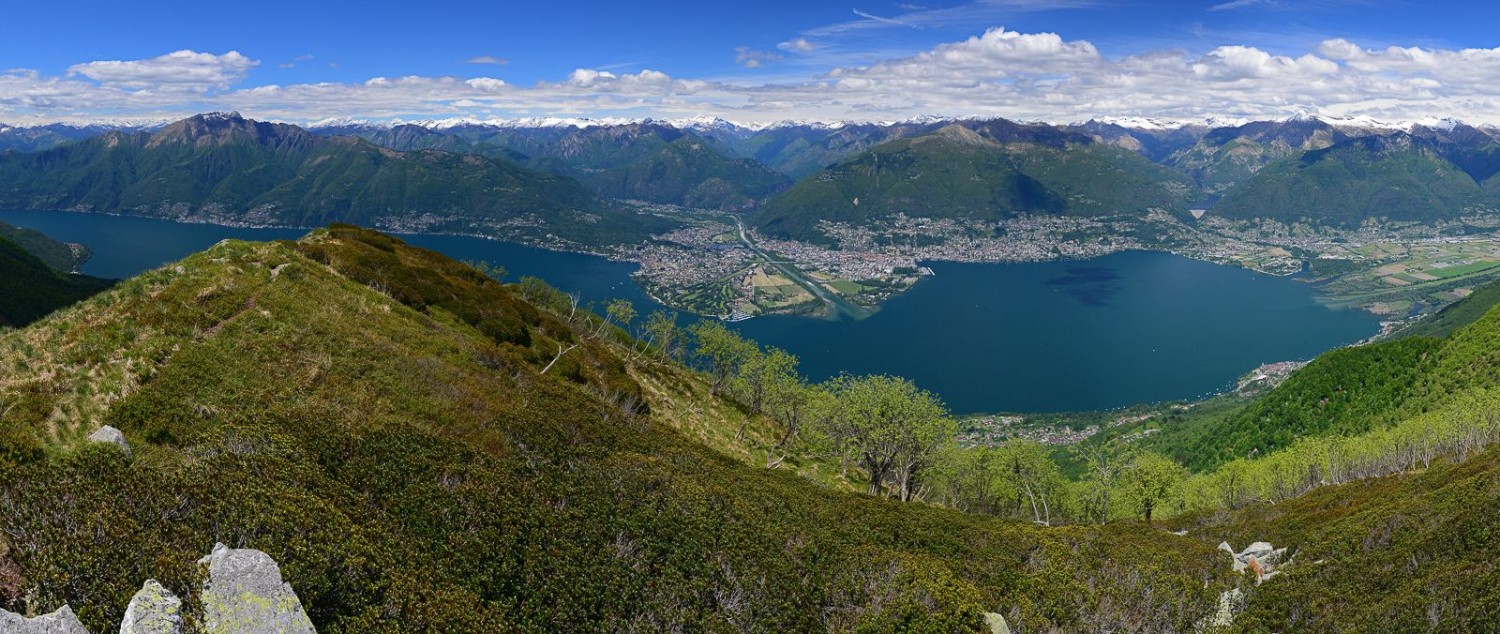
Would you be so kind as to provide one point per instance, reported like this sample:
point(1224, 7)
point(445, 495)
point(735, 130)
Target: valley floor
point(1397, 271)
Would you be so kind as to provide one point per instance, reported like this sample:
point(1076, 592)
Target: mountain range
point(530, 180)
point(978, 171)
point(228, 169)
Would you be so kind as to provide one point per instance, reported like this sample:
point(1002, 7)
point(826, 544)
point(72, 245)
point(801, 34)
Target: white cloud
point(1005, 73)
point(751, 58)
point(487, 84)
point(798, 45)
point(487, 59)
point(181, 70)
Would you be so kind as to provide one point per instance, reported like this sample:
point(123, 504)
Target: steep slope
point(689, 172)
point(1226, 157)
point(33, 139)
point(644, 161)
point(412, 467)
point(800, 150)
point(1474, 151)
point(1353, 391)
point(224, 168)
point(1157, 144)
point(1402, 553)
point(978, 171)
point(1396, 177)
point(64, 258)
point(1456, 315)
point(30, 288)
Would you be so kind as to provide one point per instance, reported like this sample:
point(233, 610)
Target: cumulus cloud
point(1030, 76)
point(182, 70)
point(487, 59)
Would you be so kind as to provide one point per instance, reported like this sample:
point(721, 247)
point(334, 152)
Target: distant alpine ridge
point(559, 176)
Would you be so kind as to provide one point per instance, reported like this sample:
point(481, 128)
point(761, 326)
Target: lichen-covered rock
point(243, 594)
point(62, 621)
point(996, 623)
point(153, 610)
point(112, 436)
point(1231, 604)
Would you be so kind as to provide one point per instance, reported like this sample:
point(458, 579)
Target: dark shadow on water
point(1090, 285)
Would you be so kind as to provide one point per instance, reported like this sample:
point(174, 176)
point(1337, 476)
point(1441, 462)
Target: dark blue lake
point(1054, 336)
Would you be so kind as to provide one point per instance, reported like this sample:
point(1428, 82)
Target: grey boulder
point(111, 436)
point(62, 621)
point(153, 610)
point(244, 594)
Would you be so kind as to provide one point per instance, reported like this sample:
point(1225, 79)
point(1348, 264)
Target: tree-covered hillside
point(1395, 177)
point(30, 289)
point(62, 257)
point(978, 171)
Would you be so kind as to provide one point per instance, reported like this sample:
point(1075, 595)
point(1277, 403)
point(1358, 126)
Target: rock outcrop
point(153, 610)
point(996, 623)
point(1260, 558)
point(243, 594)
point(110, 435)
point(62, 621)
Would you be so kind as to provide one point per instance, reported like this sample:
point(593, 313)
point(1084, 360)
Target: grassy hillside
point(1394, 177)
point(30, 289)
point(390, 426)
point(224, 168)
point(989, 172)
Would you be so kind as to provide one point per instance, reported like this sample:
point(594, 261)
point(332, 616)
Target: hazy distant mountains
point(224, 168)
point(638, 161)
point(557, 176)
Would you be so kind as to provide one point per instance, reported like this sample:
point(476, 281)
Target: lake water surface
point(1053, 336)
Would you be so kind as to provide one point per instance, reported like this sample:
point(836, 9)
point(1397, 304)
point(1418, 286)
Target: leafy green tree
point(972, 480)
point(1106, 464)
point(760, 370)
point(722, 350)
point(1034, 475)
point(792, 402)
point(1150, 481)
point(890, 425)
point(663, 334)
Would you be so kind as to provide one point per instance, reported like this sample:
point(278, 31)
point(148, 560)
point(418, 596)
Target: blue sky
point(756, 61)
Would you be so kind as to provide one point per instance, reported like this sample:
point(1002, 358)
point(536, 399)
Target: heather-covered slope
point(392, 428)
